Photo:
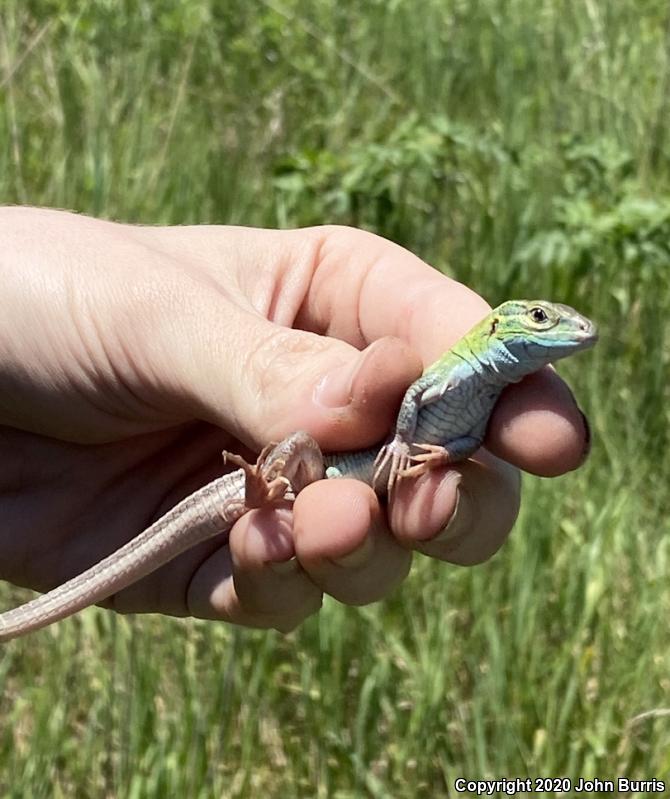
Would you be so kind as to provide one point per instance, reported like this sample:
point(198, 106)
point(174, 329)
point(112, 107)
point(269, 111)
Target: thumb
point(261, 381)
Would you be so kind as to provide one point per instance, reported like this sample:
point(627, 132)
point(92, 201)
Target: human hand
point(131, 356)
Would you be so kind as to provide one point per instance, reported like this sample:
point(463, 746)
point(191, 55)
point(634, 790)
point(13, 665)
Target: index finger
point(365, 287)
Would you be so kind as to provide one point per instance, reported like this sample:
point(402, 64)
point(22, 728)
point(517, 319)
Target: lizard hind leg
point(260, 490)
point(432, 457)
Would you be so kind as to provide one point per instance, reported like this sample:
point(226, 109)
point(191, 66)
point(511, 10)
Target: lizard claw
point(260, 489)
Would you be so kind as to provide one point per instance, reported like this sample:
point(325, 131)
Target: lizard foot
point(390, 464)
point(260, 489)
point(433, 457)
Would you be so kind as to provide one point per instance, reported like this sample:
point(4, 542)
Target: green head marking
point(517, 338)
point(537, 332)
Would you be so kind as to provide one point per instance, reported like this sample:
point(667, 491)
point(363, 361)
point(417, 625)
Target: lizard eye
point(538, 315)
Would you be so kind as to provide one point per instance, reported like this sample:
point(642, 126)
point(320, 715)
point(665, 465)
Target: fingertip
point(268, 579)
point(366, 394)
point(332, 519)
point(420, 508)
point(483, 504)
point(262, 536)
point(538, 426)
point(390, 367)
point(344, 544)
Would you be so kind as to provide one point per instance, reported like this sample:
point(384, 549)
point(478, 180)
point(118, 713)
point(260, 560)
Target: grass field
point(522, 146)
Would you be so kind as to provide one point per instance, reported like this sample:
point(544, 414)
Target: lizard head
point(539, 332)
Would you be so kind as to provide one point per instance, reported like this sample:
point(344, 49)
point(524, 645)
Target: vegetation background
point(522, 146)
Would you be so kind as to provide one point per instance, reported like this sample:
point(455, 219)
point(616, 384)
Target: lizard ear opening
point(494, 325)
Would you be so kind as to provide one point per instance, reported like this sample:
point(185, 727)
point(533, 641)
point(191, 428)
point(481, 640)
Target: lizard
point(442, 420)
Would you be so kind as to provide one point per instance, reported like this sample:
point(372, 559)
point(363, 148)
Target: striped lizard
point(442, 419)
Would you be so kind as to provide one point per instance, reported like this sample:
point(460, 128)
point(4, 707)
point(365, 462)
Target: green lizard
point(444, 414)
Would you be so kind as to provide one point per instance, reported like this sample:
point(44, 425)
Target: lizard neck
point(493, 363)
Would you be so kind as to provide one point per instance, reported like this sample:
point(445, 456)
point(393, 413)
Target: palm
point(87, 500)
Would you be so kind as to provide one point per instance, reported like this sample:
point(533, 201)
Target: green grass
point(521, 146)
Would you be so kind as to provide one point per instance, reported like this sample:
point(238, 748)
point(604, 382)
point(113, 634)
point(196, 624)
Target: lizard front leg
point(395, 456)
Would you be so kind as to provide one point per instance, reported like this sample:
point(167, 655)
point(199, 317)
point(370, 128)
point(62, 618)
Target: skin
point(131, 356)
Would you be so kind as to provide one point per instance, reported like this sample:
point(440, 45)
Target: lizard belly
point(461, 412)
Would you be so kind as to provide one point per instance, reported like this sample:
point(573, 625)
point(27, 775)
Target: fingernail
point(587, 438)
point(285, 567)
point(461, 520)
point(358, 557)
point(336, 389)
